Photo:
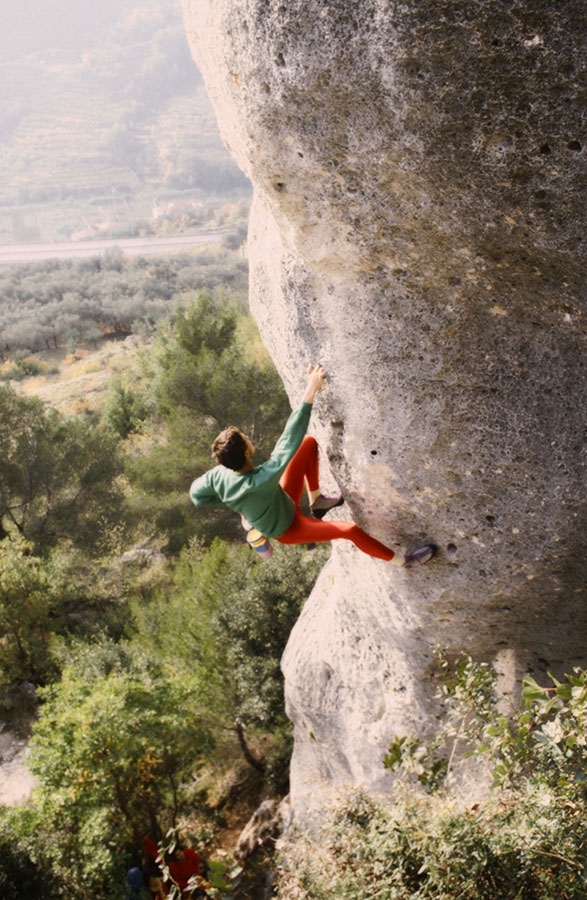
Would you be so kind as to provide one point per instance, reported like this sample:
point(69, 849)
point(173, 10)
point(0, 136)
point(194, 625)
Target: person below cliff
point(268, 496)
point(184, 869)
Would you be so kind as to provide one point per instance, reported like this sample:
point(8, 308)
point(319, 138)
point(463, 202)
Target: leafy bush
point(22, 872)
point(222, 623)
point(129, 736)
point(113, 743)
point(526, 839)
point(58, 478)
point(29, 598)
point(23, 366)
point(125, 409)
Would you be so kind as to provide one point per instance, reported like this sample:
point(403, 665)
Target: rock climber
point(268, 496)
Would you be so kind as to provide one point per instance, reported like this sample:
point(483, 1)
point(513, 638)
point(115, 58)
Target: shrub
point(33, 593)
point(115, 742)
point(224, 620)
point(125, 409)
point(21, 874)
point(527, 839)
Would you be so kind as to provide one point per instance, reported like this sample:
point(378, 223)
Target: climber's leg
point(305, 466)
point(306, 530)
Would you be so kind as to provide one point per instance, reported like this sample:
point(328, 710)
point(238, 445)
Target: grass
point(78, 382)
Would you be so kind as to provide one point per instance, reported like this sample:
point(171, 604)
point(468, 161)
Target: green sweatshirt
point(257, 494)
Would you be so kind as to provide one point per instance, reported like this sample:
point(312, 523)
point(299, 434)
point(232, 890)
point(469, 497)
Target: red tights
point(307, 530)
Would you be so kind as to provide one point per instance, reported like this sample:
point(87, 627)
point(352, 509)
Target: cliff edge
point(418, 227)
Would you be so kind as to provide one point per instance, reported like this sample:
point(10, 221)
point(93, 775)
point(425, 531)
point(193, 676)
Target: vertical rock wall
point(419, 227)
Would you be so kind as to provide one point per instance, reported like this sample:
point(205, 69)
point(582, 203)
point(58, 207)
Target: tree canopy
point(58, 478)
point(56, 303)
point(114, 741)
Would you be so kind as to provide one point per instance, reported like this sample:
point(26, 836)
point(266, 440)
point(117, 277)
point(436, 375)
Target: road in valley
point(13, 254)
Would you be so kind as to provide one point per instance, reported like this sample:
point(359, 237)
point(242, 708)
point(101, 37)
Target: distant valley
point(106, 130)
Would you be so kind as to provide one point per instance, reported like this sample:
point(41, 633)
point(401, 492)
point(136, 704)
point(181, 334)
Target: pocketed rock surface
point(418, 226)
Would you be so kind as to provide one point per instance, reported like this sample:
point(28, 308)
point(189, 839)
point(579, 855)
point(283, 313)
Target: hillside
point(78, 382)
point(104, 121)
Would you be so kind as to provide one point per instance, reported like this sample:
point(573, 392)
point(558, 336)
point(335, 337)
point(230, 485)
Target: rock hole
point(280, 186)
point(373, 452)
point(490, 520)
point(280, 59)
point(545, 150)
point(574, 145)
point(451, 548)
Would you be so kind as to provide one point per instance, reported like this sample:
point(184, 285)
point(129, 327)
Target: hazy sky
point(28, 26)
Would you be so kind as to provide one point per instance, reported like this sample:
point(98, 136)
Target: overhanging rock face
point(419, 227)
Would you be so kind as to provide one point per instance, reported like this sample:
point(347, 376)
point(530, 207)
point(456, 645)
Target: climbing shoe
point(419, 556)
point(322, 504)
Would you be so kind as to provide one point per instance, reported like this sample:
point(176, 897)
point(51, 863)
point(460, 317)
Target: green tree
point(114, 741)
point(28, 600)
point(125, 409)
point(209, 370)
point(58, 476)
point(211, 367)
point(225, 620)
point(23, 872)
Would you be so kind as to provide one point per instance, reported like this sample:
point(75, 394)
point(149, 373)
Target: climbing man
point(268, 496)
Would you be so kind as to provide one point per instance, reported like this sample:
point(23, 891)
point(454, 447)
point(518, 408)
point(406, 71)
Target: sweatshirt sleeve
point(291, 438)
point(203, 493)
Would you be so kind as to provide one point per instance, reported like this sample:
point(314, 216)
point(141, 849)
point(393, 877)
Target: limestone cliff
point(419, 227)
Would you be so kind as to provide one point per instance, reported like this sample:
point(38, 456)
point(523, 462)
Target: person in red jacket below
point(183, 863)
point(268, 496)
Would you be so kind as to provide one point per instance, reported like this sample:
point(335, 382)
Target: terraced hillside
point(104, 120)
